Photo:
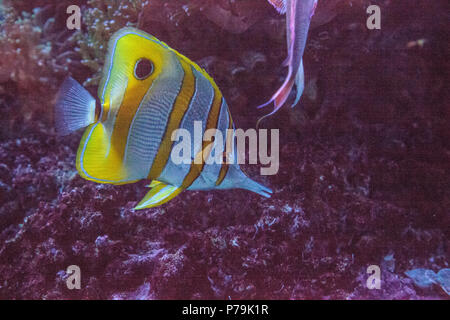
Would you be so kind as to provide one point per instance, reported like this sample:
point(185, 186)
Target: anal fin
point(158, 195)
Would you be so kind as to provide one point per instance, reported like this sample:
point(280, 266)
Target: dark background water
point(364, 176)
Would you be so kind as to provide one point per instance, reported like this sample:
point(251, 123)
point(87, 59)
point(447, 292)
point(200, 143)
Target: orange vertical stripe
point(225, 165)
point(178, 110)
point(213, 118)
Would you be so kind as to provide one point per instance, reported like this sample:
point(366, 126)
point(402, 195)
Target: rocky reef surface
point(364, 173)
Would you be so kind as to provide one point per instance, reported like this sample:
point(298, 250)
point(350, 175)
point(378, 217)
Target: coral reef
point(100, 20)
point(37, 52)
point(364, 173)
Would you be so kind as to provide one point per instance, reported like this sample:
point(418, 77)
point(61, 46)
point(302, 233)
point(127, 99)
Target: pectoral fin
point(158, 195)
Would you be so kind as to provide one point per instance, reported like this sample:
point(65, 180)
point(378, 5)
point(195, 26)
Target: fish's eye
point(143, 68)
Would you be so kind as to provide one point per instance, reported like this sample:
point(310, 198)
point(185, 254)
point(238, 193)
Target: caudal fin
point(74, 109)
point(299, 83)
point(281, 96)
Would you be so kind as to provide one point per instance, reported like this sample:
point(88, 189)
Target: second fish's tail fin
point(299, 83)
point(295, 77)
point(74, 109)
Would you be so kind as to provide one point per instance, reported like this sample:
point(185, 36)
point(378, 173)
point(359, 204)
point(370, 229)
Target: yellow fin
point(158, 195)
point(154, 183)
